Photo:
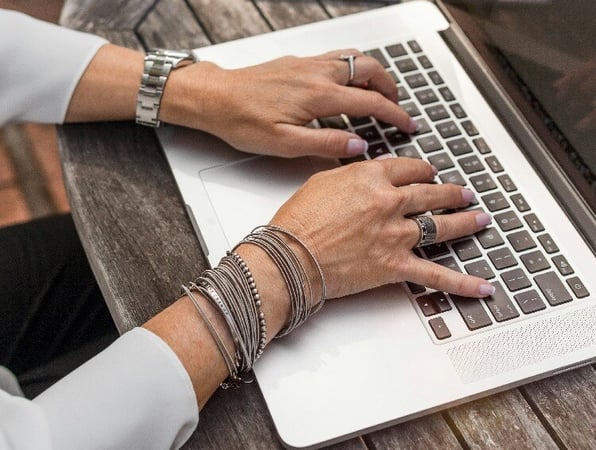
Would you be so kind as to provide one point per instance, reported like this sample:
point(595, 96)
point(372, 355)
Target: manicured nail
point(483, 219)
point(357, 146)
point(384, 156)
point(468, 195)
point(413, 126)
point(486, 289)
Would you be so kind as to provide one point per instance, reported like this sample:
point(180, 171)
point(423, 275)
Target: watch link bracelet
point(158, 65)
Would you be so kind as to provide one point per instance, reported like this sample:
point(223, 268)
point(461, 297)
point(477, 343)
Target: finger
point(435, 276)
point(405, 171)
point(301, 141)
point(427, 197)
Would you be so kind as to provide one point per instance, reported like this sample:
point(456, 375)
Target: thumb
point(328, 142)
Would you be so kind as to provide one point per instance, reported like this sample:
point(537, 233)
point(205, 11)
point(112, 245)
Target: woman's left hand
point(265, 108)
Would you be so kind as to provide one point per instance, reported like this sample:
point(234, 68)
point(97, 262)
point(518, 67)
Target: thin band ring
point(350, 59)
point(428, 230)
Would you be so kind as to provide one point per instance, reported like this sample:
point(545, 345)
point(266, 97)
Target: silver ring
point(428, 230)
point(351, 66)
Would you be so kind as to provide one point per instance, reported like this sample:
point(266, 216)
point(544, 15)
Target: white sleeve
point(135, 394)
point(41, 66)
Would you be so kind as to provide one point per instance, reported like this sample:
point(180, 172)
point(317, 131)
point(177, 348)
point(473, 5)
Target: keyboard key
point(521, 240)
point(548, 243)
point(376, 150)
point(449, 262)
point(435, 77)
point(396, 50)
point(469, 128)
point(397, 137)
point(471, 311)
point(411, 109)
point(439, 328)
point(337, 122)
point(534, 223)
point(426, 96)
point(427, 306)
point(578, 288)
point(500, 305)
point(441, 161)
point(458, 111)
point(480, 269)
point(507, 221)
point(359, 121)
point(394, 76)
point(483, 182)
point(429, 144)
point(415, 288)
point(448, 129)
point(416, 80)
point(516, 279)
point(435, 250)
point(535, 261)
point(453, 177)
point(562, 265)
point(459, 146)
point(552, 288)
point(423, 127)
point(414, 46)
point(355, 159)
point(425, 62)
point(489, 238)
point(507, 183)
point(447, 94)
point(466, 250)
point(437, 112)
point(494, 164)
point(402, 93)
point(405, 65)
point(409, 151)
point(495, 201)
point(502, 258)
point(470, 164)
point(529, 301)
point(378, 55)
point(481, 145)
point(520, 203)
point(369, 133)
point(441, 301)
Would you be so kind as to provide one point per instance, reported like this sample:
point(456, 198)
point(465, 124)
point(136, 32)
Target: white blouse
point(136, 393)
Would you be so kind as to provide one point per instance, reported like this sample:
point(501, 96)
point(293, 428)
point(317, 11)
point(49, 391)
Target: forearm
point(108, 88)
point(182, 328)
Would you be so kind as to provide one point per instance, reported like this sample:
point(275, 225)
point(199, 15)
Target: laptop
point(490, 120)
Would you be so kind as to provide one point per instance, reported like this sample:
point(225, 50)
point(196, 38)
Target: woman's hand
point(355, 220)
point(264, 108)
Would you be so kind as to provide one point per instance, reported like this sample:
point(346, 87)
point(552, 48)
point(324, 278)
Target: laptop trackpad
point(247, 193)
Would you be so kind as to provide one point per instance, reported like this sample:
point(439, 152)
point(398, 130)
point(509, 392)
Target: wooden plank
point(342, 7)
point(426, 432)
point(89, 15)
point(289, 13)
point(171, 24)
point(567, 404)
point(230, 19)
point(500, 421)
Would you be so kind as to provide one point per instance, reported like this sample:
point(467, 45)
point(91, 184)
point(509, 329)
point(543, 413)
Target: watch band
point(158, 65)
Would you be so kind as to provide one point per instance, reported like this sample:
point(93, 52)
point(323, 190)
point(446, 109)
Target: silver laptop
point(403, 351)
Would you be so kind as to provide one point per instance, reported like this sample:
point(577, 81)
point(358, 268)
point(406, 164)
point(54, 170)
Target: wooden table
point(142, 247)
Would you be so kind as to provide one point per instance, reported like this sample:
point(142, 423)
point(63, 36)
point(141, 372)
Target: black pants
point(52, 315)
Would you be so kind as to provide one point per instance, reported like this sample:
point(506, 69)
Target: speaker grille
point(524, 345)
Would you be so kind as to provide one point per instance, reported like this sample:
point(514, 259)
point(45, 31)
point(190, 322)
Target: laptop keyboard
point(517, 254)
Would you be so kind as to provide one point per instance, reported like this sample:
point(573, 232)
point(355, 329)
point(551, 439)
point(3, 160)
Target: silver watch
point(158, 65)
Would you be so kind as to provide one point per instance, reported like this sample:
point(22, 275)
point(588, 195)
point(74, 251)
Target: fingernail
point(468, 195)
point(413, 126)
point(486, 289)
point(357, 146)
point(483, 219)
point(384, 156)
point(435, 170)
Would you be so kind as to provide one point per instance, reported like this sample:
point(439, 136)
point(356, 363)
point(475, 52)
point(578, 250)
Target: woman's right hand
point(355, 219)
